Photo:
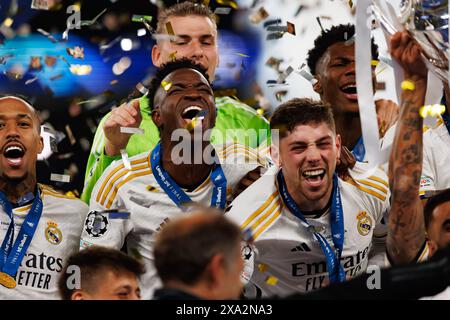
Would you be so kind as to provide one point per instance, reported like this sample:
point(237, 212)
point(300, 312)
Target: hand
point(248, 179)
point(346, 161)
point(127, 115)
point(408, 53)
point(387, 114)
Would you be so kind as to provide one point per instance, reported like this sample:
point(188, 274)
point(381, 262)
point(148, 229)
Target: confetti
point(280, 94)
point(140, 18)
point(35, 63)
point(60, 177)
point(113, 82)
point(274, 63)
point(242, 55)
point(152, 189)
point(109, 45)
point(70, 135)
point(300, 9)
point(196, 121)
point(46, 34)
point(271, 280)
point(270, 22)
point(320, 24)
point(126, 161)
point(282, 77)
point(374, 63)
point(86, 23)
point(29, 81)
point(259, 15)
point(274, 36)
point(166, 85)
point(173, 56)
point(56, 77)
point(262, 267)
point(169, 29)
point(350, 41)
point(40, 5)
point(131, 130)
point(65, 60)
point(50, 61)
point(260, 112)
point(277, 28)
point(291, 28)
point(77, 52)
point(222, 10)
point(3, 59)
point(80, 70)
point(230, 3)
point(164, 37)
point(142, 89)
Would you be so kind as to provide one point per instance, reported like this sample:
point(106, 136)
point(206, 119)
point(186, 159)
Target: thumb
point(136, 104)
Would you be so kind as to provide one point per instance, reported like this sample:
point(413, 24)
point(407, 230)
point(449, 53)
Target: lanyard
point(336, 272)
point(11, 254)
point(359, 151)
point(175, 193)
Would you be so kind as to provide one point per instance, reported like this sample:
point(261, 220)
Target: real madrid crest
point(364, 223)
point(53, 234)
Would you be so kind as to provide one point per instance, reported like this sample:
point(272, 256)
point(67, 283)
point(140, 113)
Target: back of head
point(339, 33)
point(185, 247)
point(302, 111)
point(183, 9)
point(92, 263)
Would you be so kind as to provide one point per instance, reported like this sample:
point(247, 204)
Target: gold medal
point(7, 281)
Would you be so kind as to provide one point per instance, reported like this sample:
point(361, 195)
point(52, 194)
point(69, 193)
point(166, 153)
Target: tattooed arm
point(406, 234)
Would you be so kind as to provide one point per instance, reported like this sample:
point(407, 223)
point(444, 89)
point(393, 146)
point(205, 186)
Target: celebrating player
point(158, 185)
point(41, 227)
point(195, 37)
point(309, 227)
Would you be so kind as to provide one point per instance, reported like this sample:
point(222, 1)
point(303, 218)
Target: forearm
point(406, 233)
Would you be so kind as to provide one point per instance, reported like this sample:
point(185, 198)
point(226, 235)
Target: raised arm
point(406, 234)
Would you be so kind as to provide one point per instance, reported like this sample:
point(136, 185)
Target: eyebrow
point(183, 86)
point(303, 143)
point(188, 37)
point(18, 116)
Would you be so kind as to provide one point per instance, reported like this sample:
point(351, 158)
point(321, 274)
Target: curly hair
point(168, 68)
point(327, 38)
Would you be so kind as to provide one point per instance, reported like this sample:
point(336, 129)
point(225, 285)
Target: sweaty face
point(337, 79)
point(188, 95)
point(112, 286)
point(20, 140)
point(196, 40)
point(439, 227)
point(308, 157)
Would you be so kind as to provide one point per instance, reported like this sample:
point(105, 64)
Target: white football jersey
point(56, 238)
point(436, 159)
point(137, 192)
point(287, 258)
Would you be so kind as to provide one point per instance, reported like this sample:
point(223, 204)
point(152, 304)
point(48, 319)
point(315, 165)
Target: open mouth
point(314, 177)
point(350, 91)
point(191, 112)
point(14, 154)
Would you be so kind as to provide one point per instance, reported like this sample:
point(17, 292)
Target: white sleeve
point(106, 227)
point(427, 179)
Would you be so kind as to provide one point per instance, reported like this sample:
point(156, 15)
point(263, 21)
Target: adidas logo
point(301, 247)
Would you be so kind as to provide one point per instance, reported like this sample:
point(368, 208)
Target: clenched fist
point(127, 115)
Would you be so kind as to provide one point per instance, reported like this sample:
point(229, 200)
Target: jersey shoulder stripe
point(271, 214)
point(260, 210)
point(229, 152)
point(125, 180)
point(369, 191)
point(142, 161)
point(47, 190)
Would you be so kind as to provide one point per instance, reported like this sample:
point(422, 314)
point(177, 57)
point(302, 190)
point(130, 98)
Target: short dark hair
point(183, 9)
point(29, 102)
point(183, 250)
point(433, 202)
point(168, 68)
point(327, 38)
point(92, 262)
point(300, 111)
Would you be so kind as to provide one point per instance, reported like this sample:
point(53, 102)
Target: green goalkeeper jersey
point(235, 121)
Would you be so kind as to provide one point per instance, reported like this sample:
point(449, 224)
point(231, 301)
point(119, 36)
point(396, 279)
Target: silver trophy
point(427, 22)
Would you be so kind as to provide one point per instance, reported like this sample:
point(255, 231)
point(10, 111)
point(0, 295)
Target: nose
point(313, 154)
point(196, 50)
point(12, 131)
point(350, 71)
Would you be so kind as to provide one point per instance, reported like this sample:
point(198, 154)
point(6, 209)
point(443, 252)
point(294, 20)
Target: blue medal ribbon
point(336, 272)
point(446, 119)
point(11, 254)
point(178, 196)
point(359, 151)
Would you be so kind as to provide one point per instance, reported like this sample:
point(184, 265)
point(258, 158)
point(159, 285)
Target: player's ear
point(275, 154)
point(432, 245)
point(156, 117)
point(78, 295)
point(156, 55)
point(317, 86)
point(338, 145)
